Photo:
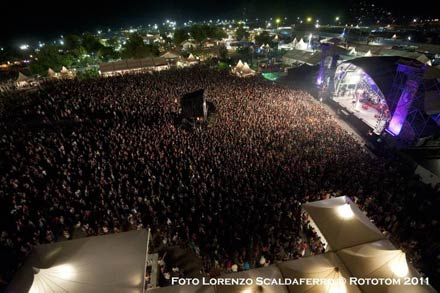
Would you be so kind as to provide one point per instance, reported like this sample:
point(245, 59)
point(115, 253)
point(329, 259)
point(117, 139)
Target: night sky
point(21, 21)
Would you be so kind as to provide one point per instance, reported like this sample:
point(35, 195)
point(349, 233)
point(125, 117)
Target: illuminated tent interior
point(380, 259)
point(109, 263)
point(324, 266)
point(340, 223)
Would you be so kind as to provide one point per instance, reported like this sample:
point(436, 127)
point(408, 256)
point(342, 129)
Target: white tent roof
point(191, 57)
point(169, 55)
point(247, 69)
point(342, 223)
point(239, 64)
point(110, 263)
point(380, 259)
point(324, 266)
point(368, 54)
point(51, 72)
point(22, 77)
point(301, 45)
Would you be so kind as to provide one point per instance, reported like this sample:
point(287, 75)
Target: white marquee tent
point(341, 223)
point(301, 45)
point(23, 80)
point(380, 259)
point(325, 266)
point(110, 263)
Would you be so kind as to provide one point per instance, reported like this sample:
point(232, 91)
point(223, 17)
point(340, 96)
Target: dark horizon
point(42, 20)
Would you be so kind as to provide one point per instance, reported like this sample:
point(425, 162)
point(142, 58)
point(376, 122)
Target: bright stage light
point(345, 211)
point(24, 47)
point(399, 266)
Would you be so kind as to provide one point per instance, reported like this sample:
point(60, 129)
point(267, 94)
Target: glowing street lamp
point(278, 21)
point(309, 19)
point(337, 18)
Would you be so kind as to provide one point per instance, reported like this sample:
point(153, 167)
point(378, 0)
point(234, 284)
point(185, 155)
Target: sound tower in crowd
point(193, 105)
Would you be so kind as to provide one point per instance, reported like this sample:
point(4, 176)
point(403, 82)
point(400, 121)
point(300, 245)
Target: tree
point(263, 38)
point(219, 33)
point(180, 35)
point(241, 33)
point(136, 49)
point(72, 42)
point(91, 43)
point(113, 42)
point(50, 56)
point(198, 32)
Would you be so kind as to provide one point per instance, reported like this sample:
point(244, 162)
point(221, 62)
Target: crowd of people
point(105, 155)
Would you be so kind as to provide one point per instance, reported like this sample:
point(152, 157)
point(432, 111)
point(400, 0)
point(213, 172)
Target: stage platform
point(363, 112)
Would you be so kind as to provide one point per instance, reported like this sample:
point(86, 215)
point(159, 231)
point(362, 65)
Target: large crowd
point(105, 155)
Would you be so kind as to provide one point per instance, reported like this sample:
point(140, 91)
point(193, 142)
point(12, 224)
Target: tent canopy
point(342, 223)
point(380, 259)
point(170, 55)
point(110, 263)
point(22, 77)
point(324, 266)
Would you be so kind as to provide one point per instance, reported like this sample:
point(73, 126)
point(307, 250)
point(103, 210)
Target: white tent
point(110, 263)
point(238, 68)
point(169, 55)
point(289, 46)
point(51, 73)
point(368, 54)
point(247, 70)
point(341, 223)
point(294, 42)
point(23, 80)
point(301, 45)
point(380, 259)
point(191, 57)
point(353, 51)
point(325, 266)
point(66, 73)
point(243, 70)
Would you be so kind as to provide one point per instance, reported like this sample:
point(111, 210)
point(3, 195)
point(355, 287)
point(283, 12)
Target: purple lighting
point(401, 111)
point(319, 79)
